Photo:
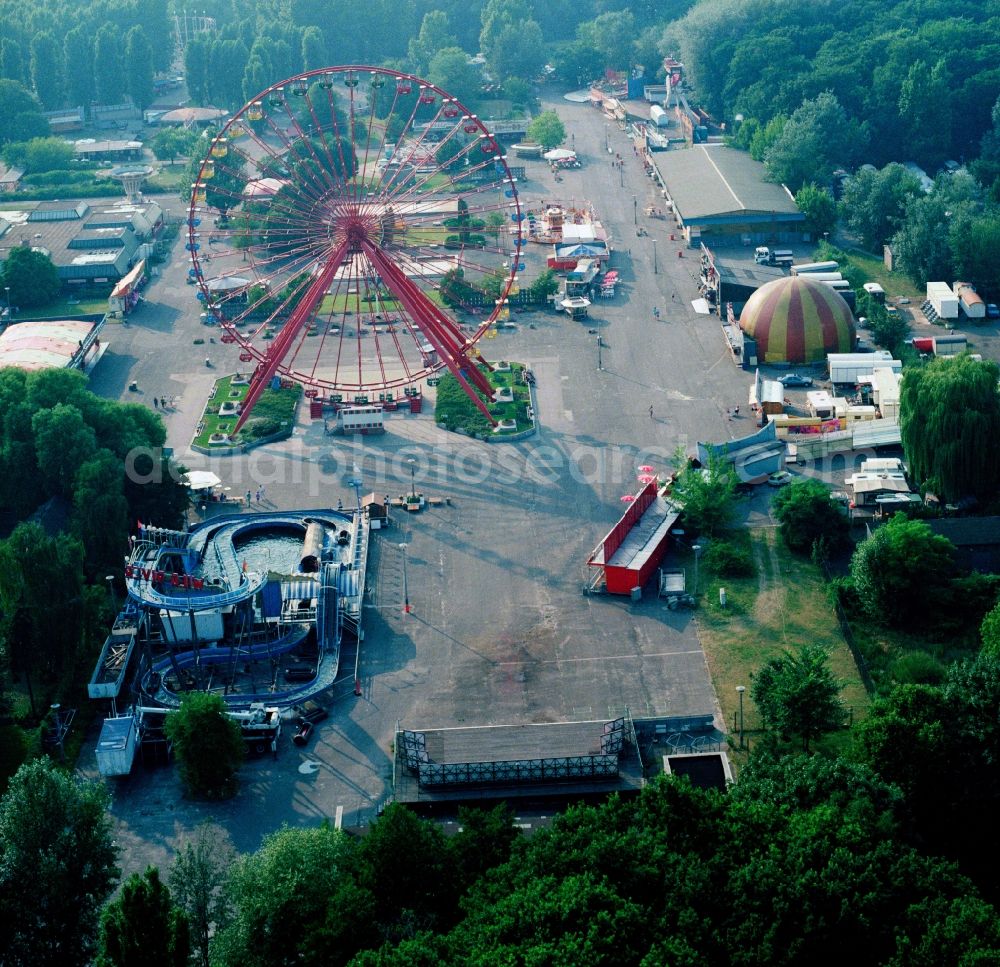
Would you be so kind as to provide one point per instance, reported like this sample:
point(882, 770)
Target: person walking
point(651, 411)
point(249, 495)
point(156, 403)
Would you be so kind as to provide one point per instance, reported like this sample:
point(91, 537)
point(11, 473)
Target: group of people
point(162, 402)
point(257, 496)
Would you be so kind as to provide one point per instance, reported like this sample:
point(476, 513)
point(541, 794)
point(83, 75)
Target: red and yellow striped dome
point(798, 320)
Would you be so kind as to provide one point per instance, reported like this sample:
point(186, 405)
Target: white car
point(779, 479)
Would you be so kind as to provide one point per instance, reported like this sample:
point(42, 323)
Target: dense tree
point(64, 441)
point(21, 116)
point(817, 138)
point(47, 70)
point(196, 69)
point(100, 510)
point(208, 743)
point(142, 927)
point(925, 112)
point(78, 56)
point(974, 239)
point(796, 694)
point(450, 69)
point(314, 54)
point(989, 632)
point(435, 35)
point(807, 515)
point(403, 863)
point(547, 130)
point(11, 60)
point(949, 421)
point(613, 35)
point(577, 62)
point(511, 40)
point(39, 154)
point(706, 494)
point(889, 588)
point(138, 68)
point(109, 64)
point(170, 142)
point(196, 880)
point(280, 895)
point(41, 584)
point(57, 866)
point(819, 207)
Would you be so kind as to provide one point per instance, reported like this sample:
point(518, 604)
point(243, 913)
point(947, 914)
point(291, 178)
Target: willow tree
point(950, 422)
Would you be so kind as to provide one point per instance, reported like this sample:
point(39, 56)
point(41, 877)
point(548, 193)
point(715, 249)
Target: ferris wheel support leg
point(441, 333)
point(282, 343)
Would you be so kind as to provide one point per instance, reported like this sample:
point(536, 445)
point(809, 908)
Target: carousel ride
point(341, 225)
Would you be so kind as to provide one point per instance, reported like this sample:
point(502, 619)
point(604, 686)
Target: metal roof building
point(717, 191)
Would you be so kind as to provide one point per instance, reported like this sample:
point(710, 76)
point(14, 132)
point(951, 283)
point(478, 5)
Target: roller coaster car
point(310, 713)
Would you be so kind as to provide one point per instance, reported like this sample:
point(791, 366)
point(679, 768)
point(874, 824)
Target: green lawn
point(274, 411)
point(783, 605)
point(454, 410)
point(70, 305)
point(896, 284)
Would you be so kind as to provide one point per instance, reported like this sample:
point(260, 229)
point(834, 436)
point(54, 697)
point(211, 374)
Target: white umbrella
point(201, 479)
point(559, 154)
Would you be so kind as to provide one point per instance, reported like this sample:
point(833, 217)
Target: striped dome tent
point(798, 320)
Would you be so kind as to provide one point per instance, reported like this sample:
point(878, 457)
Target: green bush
point(729, 561)
point(918, 668)
point(255, 429)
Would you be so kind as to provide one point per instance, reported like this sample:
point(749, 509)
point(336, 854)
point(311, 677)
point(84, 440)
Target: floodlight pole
point(741, 689)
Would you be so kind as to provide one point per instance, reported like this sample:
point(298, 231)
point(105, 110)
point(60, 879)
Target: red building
point(633, 548)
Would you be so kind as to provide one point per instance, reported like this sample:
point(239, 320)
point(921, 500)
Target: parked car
point(992, 310)
point(794, 379)
point(779, 479)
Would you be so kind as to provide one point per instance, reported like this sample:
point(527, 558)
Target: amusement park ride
point(338, 222)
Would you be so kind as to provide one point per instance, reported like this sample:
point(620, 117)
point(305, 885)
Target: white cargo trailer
point(659, 117)
point(808, 268)
point(943, 301)
point(848, 368)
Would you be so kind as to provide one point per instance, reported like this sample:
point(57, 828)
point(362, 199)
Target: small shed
point(376, 506)
point(767, 395)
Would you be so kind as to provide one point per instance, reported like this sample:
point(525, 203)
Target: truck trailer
point(943, 301)
point(848, 368)
point(659, 117)
point(809, 268)
point(970, 301)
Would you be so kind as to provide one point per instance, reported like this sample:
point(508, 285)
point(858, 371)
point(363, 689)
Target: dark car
point(794, 379)
point(992, 310)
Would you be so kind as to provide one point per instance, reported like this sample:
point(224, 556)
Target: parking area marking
point(566, 661)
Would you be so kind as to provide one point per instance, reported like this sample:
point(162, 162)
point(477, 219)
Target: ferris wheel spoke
point(336, 222)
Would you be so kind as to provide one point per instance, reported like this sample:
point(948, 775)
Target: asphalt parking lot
point(500, 631)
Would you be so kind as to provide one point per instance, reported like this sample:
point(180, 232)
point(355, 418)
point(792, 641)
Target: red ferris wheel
point(341, 221)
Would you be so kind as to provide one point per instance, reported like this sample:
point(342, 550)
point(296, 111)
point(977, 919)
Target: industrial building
point(716, 192)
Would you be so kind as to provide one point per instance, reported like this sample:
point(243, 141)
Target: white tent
point(559, 154)
point(201, 479)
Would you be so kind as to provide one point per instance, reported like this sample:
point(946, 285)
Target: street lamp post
point(413, 469)
point(6, 289)
point(741, 689)
point(600, 345)
point(406, 589)
point(621, 175)
point(635, 210)
point(697, 553)
point(655, 269)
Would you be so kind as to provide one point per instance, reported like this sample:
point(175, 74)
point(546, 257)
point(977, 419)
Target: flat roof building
point(717, 191)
